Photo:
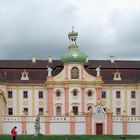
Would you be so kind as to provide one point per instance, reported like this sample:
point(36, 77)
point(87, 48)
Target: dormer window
point(117, 76)
point(24, 75)
point(74, 73)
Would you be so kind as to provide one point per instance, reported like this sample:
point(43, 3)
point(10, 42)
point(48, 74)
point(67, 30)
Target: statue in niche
point(74, 73)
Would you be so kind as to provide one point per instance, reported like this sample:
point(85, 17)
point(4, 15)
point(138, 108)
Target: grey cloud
point(40, 28)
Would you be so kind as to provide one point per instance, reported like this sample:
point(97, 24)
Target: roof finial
point(72, 28)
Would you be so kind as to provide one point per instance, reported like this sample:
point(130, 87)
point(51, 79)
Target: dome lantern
point(73, 55)
point(73, 36)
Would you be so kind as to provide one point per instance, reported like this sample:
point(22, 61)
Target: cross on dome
point(75, 55)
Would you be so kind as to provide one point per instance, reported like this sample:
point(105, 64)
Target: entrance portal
point(99, 128)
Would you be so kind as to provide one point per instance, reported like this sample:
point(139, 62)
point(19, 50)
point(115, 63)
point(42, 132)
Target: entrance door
point(99, 128)
point(75, 110)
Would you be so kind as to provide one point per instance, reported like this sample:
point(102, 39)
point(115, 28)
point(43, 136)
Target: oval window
point(75, 93)
point(89, 93)
point(58, 93)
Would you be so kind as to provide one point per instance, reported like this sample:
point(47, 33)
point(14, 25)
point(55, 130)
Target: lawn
point(76, 137)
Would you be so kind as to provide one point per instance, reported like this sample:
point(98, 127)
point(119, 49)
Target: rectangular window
point(104, 94)
point(25, 110)
point(118, 111)
point(40, 94)
point(133, 111)
point(118, 94)
point(10, 111)
point(25, 94)
point(40, 110)
point(133, 94)
point(10, 94)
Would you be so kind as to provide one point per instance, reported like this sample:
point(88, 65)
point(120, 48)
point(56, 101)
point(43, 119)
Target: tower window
point(40, 94)
point(10, 94)
point(133, 94)
point(10, 111)
point(118, 94)
point(104, 94)
point(25, 94)
point(58, 111)
point(74, 73)
point(40, 110)
point(25, 110)
point(118, 111)
point(133, 111)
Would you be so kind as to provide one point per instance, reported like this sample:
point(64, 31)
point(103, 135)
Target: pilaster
point(23, 121)
point(109, 123)
point(66, 99)
point(88, 124)
point(83, 99)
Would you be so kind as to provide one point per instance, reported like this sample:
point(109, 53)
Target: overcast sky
point(40, 27)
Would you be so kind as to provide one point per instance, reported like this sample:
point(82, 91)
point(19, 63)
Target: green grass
point(74, 137)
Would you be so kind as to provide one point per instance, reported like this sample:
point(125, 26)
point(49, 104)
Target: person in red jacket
point(14, 132)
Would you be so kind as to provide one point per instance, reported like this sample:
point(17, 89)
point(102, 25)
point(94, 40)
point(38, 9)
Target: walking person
point(14, 132)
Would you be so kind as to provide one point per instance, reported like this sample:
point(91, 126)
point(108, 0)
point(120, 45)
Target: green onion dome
point(72, 34)
point(74, 55)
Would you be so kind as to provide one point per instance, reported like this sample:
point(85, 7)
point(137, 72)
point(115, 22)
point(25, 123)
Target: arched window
point(58, 111)
point(74, 73)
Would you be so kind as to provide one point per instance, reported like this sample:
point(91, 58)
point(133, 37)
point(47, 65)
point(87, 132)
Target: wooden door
point(99, 128)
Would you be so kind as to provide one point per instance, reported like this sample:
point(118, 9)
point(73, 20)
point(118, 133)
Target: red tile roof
point(10, 70)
